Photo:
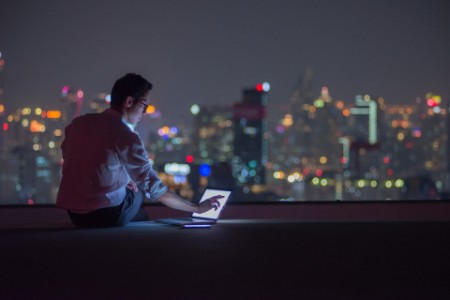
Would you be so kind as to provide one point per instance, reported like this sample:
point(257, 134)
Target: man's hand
point(132, 186)
point(209, 204)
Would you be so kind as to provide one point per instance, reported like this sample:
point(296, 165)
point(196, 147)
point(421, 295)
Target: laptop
point(204, 220)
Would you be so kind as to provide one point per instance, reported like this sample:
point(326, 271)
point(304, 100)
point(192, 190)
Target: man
point(106, 171)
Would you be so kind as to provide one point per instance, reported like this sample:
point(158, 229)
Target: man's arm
point(172, 200)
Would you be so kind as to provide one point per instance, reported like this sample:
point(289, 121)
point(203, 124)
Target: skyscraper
point(250, 142)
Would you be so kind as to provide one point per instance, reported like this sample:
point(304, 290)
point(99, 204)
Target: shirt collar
point(116, 114)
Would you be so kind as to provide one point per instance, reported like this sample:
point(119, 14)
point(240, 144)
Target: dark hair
point(131, 84)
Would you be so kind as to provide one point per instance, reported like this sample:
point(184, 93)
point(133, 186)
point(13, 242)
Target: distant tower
point(325, 95)
point(365, 115)
point(364, 124)
point(302, 97)
point(250, 145)
point(302, 94)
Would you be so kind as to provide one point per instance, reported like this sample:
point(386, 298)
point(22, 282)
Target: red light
point(386, 159)
point(189, 159)
point(30, 202)
point(259, 87)
point(5, 126)
point(390, 172)
point(319, 172)
point(431, 102)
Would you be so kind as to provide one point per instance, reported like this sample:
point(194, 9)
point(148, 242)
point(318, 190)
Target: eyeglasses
point(144, 105)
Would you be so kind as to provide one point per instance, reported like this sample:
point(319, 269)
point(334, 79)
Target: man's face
point(137, 109)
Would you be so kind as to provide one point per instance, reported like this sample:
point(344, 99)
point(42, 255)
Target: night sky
point(206, 51)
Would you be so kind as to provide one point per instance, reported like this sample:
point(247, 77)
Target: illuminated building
point(365, 120)
point(402, 151)
point(32, 156)
point(434, 138)
point(212, 138)
point(314, 131)
point(364, 132)
point(211, 147)
point(309, 142)
point(250, 139)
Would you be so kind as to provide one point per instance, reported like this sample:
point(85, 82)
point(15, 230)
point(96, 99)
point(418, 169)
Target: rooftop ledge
point(322, 211)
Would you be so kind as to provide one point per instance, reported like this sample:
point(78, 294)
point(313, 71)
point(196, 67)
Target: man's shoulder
point(95, 117)
point(86, 117)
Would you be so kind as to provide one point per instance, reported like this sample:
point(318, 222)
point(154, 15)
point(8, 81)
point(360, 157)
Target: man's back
point(93, 167)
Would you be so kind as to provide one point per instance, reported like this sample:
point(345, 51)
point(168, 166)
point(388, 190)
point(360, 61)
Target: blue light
point(205, 170)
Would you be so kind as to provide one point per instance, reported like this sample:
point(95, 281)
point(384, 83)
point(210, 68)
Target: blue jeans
point(131, 209)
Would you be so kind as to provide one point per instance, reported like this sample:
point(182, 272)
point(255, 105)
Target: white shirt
point(101, 155)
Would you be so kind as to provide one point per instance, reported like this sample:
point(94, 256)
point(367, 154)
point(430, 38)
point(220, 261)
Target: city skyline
point(413, 143)
point(206, 53)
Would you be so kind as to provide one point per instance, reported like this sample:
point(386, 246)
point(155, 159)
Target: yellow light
point(2, 108)
point(297, 176)
point(361, 183)
point(437, 98)
point(57, 132)
point(315, 181)
point(26, 111)
point(278, 175)
point(323, 159)
point(38, 111)
point(287, 120)
point(53, 114)
point(150, 109)
point(399, 183)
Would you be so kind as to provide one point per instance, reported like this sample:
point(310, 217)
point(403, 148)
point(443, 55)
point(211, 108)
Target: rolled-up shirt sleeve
point(140, 169)
point(156, 188)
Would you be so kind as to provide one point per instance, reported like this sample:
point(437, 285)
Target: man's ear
point(129, 101)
